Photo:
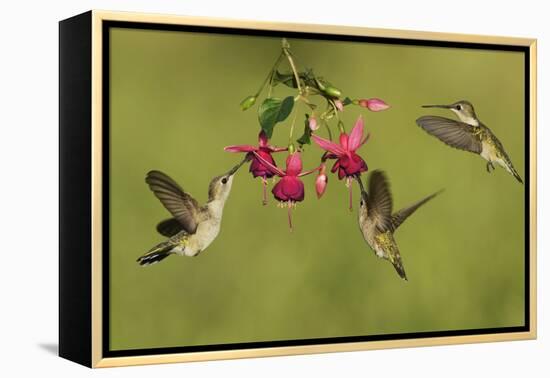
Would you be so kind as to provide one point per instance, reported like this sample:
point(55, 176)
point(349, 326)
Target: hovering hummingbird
point(378, 224)
point(193, 227)
point(468, 134)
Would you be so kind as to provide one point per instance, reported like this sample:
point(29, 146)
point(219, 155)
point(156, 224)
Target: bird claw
point(490, 167)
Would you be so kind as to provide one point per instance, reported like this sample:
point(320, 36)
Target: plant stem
point(269, 77)
point(328, 130)
point(294, 70)
point(292, 126)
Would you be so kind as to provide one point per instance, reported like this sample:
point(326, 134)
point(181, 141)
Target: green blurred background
point(175, 105)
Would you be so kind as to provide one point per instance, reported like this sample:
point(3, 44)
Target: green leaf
point(272, 111)
point(284, 78)
point(306, 137)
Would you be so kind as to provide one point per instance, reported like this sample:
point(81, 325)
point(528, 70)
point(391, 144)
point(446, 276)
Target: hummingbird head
point(463, 109)
point(220, 186)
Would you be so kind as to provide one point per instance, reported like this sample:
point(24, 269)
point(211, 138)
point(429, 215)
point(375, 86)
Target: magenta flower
point(348, 163)
point(289, 189)
point(257, 168)
point(373, 104)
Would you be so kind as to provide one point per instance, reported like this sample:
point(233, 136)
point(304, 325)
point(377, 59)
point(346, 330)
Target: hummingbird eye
point(224, 180)
point(458, 107)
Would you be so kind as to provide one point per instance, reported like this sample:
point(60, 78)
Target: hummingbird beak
point(363, 191)
point(437, 106)
point(234, 170)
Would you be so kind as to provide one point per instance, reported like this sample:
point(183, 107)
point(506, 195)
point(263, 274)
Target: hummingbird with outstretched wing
point(377, 221)
point(468, 134)
point(192, 227)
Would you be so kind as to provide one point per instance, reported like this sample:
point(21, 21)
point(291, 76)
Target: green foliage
point(287, 79)
point(306, 136)
point(272, 111)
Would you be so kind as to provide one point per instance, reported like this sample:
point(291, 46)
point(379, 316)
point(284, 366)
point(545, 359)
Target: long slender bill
point(437, 106)
point(234, 170)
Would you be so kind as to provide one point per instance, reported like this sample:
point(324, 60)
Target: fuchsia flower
point(373, 104)
point(290, 189)
point(257, 168)
point(348, 163)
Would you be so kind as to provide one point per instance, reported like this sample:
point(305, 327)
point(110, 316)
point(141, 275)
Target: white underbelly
point(488, 152)
point(206, 232)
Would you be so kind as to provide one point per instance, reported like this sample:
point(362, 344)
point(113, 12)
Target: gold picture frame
point(82, 319)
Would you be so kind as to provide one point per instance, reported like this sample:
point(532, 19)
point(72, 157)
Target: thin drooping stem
point(292, 126)
point(293, 67)
point(328, 130)
point(269, 77)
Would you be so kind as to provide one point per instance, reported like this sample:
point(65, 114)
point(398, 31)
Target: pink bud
point(339, 105)
point(373, 104)
point(321, 182)
point(313, 125)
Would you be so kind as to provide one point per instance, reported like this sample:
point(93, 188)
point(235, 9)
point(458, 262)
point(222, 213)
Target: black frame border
point(105, 35)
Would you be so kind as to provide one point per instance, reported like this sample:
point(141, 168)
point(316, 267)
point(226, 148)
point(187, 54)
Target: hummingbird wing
point(379, 201)
point(453, 133)
point(400, 216)
point(179, 203)
point(169, 227)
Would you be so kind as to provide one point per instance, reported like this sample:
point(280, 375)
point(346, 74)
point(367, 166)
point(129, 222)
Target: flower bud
point(248, 102)
point(312, 123)
point(332, 91)
point(321, 182)
point(339, 105)
point(373, 104)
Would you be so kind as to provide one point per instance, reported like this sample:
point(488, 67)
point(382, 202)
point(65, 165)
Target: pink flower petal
point(289, 188)
point(344, 139)
point(339, 105)
point(258, 169)
point(293, 164)
point(293, 188)
point(277, 149)
point(328, 145)
point(240, 148)
point(354, 141)
point(268, 165)
point(278, 191)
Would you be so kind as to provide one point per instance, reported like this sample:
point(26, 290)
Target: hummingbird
point(468, 134)
point(378, 224)
point(192, 227)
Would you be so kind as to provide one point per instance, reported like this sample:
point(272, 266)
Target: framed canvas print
point(236, 189)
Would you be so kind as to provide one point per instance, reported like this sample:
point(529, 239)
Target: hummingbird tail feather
point(399, 268)
point(510, 168)
point(157, 254)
